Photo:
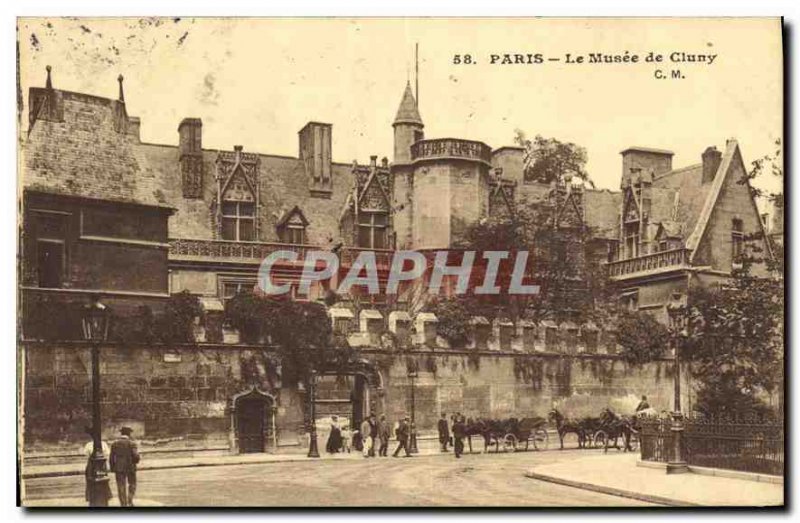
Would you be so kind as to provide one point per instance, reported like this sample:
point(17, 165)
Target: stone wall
point(181, 397)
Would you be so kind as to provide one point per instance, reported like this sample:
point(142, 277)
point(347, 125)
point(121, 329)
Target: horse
point(565, 426)
point(615, 426)
point(478, 427)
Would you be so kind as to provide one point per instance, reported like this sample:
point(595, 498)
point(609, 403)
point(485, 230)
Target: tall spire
point(408, 112)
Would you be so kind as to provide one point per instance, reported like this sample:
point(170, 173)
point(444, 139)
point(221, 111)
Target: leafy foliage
point(572, 282)
point(547, 159)
point(642, 337)
point(454, 317)
point(735, 339)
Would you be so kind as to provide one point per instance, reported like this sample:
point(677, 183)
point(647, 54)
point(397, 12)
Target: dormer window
point(238, 209)
point(372, 230)
point(238, 221)
point(291, 228)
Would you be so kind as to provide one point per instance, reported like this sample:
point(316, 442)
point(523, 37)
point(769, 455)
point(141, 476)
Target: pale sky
point(256, 82)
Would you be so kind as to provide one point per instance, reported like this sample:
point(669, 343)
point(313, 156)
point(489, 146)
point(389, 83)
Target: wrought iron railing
point(674, 258)
point(754, 446)
point(451, 148)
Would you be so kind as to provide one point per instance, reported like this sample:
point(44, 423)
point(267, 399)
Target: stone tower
point(408, 129)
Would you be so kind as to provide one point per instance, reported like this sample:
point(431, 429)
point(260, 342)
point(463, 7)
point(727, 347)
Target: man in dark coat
point(384, 434)
point(373, 433)
point(403, 432)
point(642, 404)
point(444, 432)
point(123, 461)
point(459, 433)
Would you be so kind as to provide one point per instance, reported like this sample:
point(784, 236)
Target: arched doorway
point(253, 421)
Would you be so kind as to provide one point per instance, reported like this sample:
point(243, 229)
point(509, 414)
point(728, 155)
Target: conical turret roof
point(408, 111)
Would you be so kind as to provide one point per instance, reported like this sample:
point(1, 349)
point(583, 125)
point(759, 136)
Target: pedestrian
point(123, 461)
point(88, 450)
point(642, 404)
point(347, 438)
point(402, 438)
point(459, 432)
point(366, 438)
point(452, 423)
point(373, 433)
point(384, 435)
point(444, 432)
point(334, 444)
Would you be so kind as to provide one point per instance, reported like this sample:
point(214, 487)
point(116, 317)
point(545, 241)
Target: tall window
point(631, 240)
point(51, 233)
point(372, 230)
point(238, 221)
point(737, 240)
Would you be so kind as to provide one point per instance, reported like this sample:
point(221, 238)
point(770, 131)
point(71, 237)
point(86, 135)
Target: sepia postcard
point(400, 262)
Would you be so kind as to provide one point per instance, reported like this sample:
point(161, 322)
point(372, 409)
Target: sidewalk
point(77, 469)
point(618, 474)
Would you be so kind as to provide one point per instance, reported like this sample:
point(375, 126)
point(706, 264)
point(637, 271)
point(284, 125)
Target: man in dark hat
point(123, 461)
point(403, 432)
point(459, 433)
point(444, 432)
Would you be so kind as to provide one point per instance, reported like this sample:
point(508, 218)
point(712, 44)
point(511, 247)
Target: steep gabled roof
point(89, 154)
point(601, 212)
point(686, 198)
point(408, 112)
point(731, 155)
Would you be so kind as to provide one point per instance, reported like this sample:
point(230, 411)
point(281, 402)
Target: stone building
point(106, 213)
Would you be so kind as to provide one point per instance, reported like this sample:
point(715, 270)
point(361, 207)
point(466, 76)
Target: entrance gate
point(253, 414)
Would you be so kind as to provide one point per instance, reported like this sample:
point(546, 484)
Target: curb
point(156, 466)
point(612, 491)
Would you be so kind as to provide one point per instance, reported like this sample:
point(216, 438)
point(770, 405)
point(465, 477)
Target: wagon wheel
point(540, 439)
point(509, 442)
point(600, 439)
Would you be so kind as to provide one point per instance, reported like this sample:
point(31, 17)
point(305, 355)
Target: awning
point(399, 316)
point(211, 304)
point(371, 314)
point(340, 312)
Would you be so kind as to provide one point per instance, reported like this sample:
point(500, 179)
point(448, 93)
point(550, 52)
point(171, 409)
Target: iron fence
point(749, 446)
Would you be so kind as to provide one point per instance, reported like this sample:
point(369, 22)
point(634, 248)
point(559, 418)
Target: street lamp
point(412, 375)
point(313, 450)
point(95, 330)
point(677, 311)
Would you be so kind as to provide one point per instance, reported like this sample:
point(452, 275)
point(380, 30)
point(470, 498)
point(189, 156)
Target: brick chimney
point(315, 152)
point(711, 160)
point(644, 161)
point(190, 146)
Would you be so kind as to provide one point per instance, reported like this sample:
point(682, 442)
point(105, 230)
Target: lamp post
point(95, 330)
point(677, 311)
point(412, 448)
point(313, 450)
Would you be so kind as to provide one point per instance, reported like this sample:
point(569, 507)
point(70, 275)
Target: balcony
point(649, 264)
point(451, 148)
point(190, 250)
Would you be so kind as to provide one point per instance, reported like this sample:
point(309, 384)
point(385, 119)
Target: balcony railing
point(255, 252)
point(657, 261)
point(451, 148)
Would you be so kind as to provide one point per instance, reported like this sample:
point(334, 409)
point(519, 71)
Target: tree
point(735, 344)
point(641, 337)
point(572, 283)
point(547, 160)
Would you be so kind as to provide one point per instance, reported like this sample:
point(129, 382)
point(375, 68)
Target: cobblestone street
point(475, 480)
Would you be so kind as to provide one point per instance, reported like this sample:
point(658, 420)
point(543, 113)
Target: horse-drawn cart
point(524, 430)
